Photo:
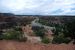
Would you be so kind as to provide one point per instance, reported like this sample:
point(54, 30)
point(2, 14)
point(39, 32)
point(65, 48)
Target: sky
point(38, 7)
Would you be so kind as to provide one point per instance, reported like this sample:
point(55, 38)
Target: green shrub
point(57, 40)
point(46, 40)
point(39, 31)
point(60, 39)
point(74, 41)
point(12, 34)
point(66, 40)
point(22, 39)
point(1, 35)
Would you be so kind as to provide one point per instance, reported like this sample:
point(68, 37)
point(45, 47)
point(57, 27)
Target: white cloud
point(43, 7)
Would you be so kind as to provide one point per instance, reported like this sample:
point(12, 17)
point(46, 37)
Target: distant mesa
point(6, 14)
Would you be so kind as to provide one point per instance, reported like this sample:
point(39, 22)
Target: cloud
point(38, 7)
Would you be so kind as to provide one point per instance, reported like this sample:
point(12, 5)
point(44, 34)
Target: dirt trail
point(13, 45)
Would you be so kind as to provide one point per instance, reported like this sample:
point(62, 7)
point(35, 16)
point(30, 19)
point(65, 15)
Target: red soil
point(14, 45)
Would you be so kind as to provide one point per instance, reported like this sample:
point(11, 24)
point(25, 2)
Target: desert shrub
point(70, 29)
point(57, 40)
point(66, 40)
point(60, 39)
point(22, 39)
point(74, 41)
point(46, 40)
point(1, 35)
point(14, 34)
point(39, 31)
point(17, 28)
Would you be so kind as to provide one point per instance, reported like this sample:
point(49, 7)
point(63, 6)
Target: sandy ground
point(14, 45)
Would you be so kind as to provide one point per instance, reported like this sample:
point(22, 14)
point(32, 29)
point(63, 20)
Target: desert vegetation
point(64, 28)
point(63, 32)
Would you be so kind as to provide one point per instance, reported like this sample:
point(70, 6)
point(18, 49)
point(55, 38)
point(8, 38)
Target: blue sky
point(38, 7)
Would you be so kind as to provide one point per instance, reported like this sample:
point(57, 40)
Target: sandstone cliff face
point(28, 30)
